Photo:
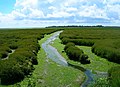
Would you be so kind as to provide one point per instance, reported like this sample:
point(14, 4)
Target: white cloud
point(92, 11)
point(52, 8)
point(50, 1)
point(0, 14)
point(75, 2)
point(36, 13)
point(112, 1)
point(65, 8)
point(60, 14)
point(113, 8)
point(16, 13)
point(26, 3)
point(71, 9)
point(27, 9)
point(56, 11)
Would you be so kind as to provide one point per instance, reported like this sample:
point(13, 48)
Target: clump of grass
point(100, 82)
point(114, 76)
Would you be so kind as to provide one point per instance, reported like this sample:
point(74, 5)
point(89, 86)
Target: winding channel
point(53, 54)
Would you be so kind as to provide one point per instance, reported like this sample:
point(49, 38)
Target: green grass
point(97, 63)
point(50, 74)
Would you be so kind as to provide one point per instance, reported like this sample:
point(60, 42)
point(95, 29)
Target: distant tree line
point(71, 26)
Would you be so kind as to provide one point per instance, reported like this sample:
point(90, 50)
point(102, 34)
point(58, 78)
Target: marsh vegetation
point(24, 62)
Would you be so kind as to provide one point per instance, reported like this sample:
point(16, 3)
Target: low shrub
point(114, 76)
point(13, 46)
point(20, 63)
point(107, 50)
point(4, 54)
point(10, 72)
point(84, 59)
point(75, 53)
point(68, 45)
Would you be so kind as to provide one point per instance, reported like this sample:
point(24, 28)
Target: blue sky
point(41, 13)
point(6, 6)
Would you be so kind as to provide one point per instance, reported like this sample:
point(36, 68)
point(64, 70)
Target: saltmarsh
point(50, 74)
point(97, 64)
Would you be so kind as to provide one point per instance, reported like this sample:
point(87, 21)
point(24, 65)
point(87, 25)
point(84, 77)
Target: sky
point(42, 13)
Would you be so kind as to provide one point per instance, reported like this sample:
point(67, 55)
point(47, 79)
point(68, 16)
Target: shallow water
point(51, 52)
point(89, 78)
